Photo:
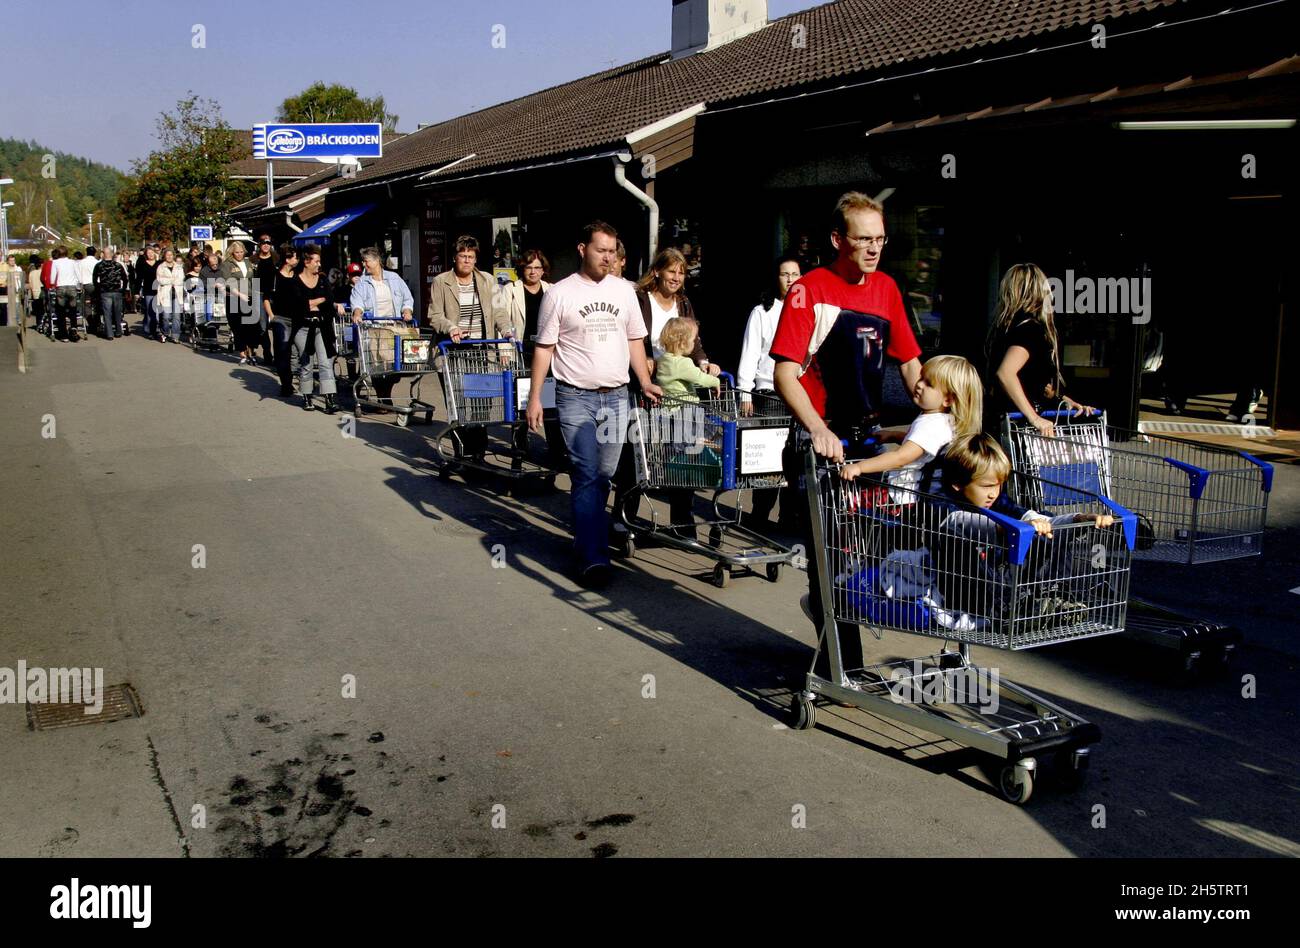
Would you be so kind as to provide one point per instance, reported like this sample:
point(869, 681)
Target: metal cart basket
point(385, 353)
point(481, 379)
point(709, 445)
point(211, 329)
point(899, 560)
point(1196, 503)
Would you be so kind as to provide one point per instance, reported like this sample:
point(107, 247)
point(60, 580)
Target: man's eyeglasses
point(861, 243)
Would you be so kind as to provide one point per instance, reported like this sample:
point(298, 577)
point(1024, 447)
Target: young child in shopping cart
point(950, 396)
point(675, 373)
point(974, 471)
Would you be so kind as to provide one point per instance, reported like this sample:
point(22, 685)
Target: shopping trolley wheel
point(1016, 781)
point(1070, 767)
point(773, 572)
point(804, 709)
point(715, 539)
point(628, 547)
point(403, 419)
point(721, 575)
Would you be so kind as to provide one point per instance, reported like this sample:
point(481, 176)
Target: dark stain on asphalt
point(329, 786)
point(614, 819)
point(579, 836)
point(295, 807)
point(263, 719)
point(376, 738)
point(604, 850)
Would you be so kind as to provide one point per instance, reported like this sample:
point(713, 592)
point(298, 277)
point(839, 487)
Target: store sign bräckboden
point(325, 140)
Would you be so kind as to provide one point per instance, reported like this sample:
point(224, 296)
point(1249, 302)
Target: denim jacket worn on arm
point(363, 294)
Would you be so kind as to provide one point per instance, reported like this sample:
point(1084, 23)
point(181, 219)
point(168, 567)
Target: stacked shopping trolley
point(1195, 504)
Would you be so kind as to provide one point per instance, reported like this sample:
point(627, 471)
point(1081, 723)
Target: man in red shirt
point(838, 325)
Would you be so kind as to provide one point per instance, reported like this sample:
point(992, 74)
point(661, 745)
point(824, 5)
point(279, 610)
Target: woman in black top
point(1023, 358)
point(311, 321)
point(278, 306)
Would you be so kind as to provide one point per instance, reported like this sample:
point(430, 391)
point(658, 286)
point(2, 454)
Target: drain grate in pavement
point(120, 701)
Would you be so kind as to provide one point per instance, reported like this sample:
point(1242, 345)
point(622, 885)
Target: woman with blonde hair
point(1023, 350)
point(170, 298)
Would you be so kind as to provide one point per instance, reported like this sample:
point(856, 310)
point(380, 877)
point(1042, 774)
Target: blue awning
point(319, 233)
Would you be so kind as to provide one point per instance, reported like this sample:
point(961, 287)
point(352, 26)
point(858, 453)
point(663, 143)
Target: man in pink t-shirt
point(583, 331)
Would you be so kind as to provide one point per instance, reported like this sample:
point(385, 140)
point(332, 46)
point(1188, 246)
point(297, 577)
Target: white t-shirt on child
point(932, 431)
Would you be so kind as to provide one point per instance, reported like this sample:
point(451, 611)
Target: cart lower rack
point(899, 560)
point(715, 445)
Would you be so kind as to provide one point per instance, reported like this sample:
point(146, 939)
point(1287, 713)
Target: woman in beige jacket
point(171, 296)
point(519, 302)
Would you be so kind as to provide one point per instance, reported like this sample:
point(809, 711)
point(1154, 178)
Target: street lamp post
point(4, 232)
point(4, 228)
point(90, 228)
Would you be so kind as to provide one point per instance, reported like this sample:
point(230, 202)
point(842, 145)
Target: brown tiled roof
point(846, 38)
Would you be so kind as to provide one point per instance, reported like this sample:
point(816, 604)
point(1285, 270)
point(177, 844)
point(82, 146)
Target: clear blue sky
point(100, 72)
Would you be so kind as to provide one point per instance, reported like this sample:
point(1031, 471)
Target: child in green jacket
point(675, 373)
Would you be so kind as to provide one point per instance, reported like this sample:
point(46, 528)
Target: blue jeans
point(594, 425)
point(170, 317)
point(150, 315)
point(111, 306)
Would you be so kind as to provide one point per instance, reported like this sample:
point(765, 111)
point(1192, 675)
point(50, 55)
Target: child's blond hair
point(957, 379)
point(969, 458)
point(678, 335)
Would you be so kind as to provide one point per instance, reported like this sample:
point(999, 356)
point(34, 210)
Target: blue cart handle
point(1020, 416)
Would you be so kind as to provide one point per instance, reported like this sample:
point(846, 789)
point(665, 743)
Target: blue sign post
point(324, 140)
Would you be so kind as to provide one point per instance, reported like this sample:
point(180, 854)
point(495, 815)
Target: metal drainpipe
point(646, 200)
point(288, 219)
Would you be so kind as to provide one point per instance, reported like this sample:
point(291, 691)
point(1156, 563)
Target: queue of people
point(819, 341)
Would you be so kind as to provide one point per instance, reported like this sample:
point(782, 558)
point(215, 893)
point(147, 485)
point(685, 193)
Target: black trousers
point(850, 634)
point(277, 331)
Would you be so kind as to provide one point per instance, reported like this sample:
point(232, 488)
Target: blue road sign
point(325, 140)
point(200, 232)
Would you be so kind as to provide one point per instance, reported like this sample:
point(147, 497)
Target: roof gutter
point(620, 178)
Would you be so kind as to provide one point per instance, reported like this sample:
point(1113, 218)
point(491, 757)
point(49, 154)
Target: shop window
point(914, 258)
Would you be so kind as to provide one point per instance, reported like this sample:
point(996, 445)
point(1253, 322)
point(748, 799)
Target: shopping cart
point(381, 353)
point(211, 329)
point(1196, 503)
point(709, 445)
point(893, 559)
point(485, 382)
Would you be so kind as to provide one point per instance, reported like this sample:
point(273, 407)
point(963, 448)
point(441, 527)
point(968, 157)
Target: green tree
point(73, 186)
point(187, 180)
point(335, 103)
